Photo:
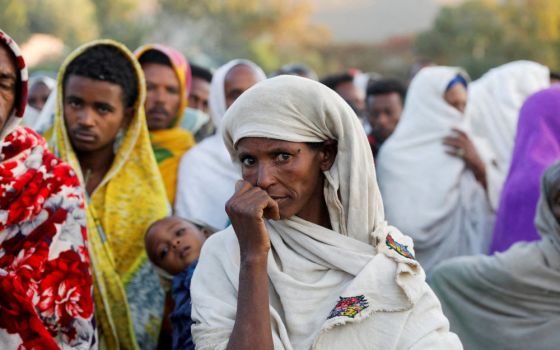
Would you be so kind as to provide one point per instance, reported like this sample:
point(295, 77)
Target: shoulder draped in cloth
point(427, 192)
point(494, 103)
point(354, 286)
point(537, 145)
point(128, 296)
point(170, 144)
point(46, 296)
point(207, 175)
point(509, 300)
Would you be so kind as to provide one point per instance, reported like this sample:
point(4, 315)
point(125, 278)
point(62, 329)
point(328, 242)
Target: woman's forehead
point(262, 143)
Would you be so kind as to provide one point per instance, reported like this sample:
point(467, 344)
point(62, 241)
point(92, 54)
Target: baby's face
point(173, 244)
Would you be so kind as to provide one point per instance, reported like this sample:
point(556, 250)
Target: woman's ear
point(328, 154)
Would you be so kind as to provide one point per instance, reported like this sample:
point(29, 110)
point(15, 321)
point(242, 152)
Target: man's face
point(384, 113)
point(163, 97)
point(8, 83)
point(198, 97)
point(238, 79)
point(94, 112)
point(38, 95)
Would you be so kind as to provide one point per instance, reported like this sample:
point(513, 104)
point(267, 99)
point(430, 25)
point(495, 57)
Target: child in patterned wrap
point(173, 245)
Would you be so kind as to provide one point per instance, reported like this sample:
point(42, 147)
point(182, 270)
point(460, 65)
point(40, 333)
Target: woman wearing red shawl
point(45, 281)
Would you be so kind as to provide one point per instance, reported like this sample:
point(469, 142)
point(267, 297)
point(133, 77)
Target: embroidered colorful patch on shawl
point(349, 306)
point(399, 248)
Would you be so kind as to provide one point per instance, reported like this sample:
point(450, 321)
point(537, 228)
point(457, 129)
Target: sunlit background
point(383, 36)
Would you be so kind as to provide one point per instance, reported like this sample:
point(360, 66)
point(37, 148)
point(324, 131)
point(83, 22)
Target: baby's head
point(173, 243)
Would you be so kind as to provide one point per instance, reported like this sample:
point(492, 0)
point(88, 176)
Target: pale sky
point(375, 20)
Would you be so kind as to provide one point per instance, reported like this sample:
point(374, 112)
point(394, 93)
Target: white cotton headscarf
point(427, 193)
point(494, 104)
point(310, 266)
point(206, 176)
point(510, 300)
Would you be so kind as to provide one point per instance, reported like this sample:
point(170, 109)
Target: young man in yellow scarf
point(168, 81)
point(100, 130)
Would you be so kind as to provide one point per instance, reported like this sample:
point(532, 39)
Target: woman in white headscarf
point(433, 185)
point(509, 300)
point(206, 176)
point(494, 104)
point(309, 261)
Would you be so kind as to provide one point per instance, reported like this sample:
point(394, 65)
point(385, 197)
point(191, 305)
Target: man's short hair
point(334, 80)
point(201, 72)
point(106, 63)
point(387, 86)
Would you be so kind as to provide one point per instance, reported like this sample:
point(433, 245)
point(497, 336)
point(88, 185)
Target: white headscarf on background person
point(427, 193)
point(206, 176)
point(31, 113)
point(494, 104)
point(509, 300)
point(311, 268)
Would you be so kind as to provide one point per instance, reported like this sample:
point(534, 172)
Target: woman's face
point(290, 172)
point(457, 97)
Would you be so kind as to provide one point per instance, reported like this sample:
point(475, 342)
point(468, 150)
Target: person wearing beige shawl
point(509, 300)
point(309, 261)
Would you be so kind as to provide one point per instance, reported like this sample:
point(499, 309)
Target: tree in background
point(482, 34)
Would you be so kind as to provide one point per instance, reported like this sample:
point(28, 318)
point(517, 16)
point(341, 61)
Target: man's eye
point(74, 104)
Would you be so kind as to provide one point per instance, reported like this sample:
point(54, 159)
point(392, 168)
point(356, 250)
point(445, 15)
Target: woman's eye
point(283, 157)
point(248, 161)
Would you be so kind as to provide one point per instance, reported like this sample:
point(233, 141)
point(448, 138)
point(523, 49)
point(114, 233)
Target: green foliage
point(479, 35)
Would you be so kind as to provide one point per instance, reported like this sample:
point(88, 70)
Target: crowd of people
point(151, 203)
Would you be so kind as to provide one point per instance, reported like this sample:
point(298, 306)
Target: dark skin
point(8, 83)
point(38, 95)
point(94, 112)
point(163, 95)
point(280, 179)
point(198, 97)
point(384, 113)
point(459, 142)
point(237, 80)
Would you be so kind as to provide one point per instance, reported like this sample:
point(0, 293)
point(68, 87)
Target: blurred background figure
point(495, 100)
point(207, 175)
point(537, 146)
point(384, 103)
point(431, 174)
point(168, 83)
point(41, 86)
point(196, 119)
point(344, 85)
point(298, 69)
point(509, 300)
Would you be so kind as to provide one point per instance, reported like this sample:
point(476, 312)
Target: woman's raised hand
point(247, 210)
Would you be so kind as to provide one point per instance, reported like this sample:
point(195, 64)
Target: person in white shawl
point(433, 184)
point(206, 176)
point(494, 104)
point(510, 300)
point(309, 261)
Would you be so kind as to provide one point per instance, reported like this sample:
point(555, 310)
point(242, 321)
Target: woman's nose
point(265, 177)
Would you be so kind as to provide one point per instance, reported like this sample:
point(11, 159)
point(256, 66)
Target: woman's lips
point(84, 136)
